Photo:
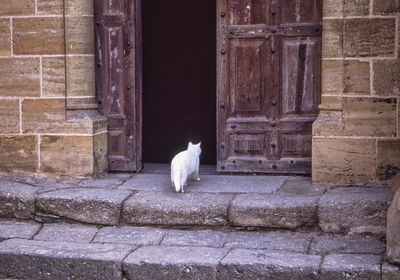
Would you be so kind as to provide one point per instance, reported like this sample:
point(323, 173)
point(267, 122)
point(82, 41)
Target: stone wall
point(356, 136)
point(48, 118)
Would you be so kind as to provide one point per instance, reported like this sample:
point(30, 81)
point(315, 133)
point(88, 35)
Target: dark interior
point(179, 79)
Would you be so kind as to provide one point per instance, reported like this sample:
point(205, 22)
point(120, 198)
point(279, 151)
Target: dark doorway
point(179, 78)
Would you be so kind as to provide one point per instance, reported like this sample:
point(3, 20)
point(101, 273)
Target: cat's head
point(195, 147)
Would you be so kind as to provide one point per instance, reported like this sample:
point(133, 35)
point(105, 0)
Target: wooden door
point(268, 83)
point(118, 79)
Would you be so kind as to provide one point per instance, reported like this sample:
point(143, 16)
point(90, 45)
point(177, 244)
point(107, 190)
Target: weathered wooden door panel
point(268, 57)
point(117, 92)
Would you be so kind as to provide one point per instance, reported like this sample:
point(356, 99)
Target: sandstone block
point(9, 116)
point(96, 206)
point(30, 259)
point(388, 158)
point(264, 264)
point(100, 159)
point(362, 210)
point(76, 154)
point(50, 7)
point(176, 208)
point(80, 7)
point(35, 36)
point(369, 37)
point(343, 160)
point(356, 7)
point(365, 116)
point(333, 76)
point(332, 38)
point(5, 37)
point(21, 77)
point(333, 8)
point(273, 210)
point(16, 229)
point(17, 8)
point(64, 232)
point(80, 35)
point(393, 234)
point(356, 77)
point(173, 262)
point(130, 235)
point(53, 76)
point(352, 266)
point(386, 7)
point(19, 154)
point(81, 76)
point(390, 272)
point(17, 200)
point(387, 77)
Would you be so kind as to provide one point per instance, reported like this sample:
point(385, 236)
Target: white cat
point(184, 164)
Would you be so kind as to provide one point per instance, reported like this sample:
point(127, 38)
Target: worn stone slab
point(153, 208)
point(324, 245)
point(264, 264)
point(206, 238)
point(361, 210)
point(273, 210)
point(76, 233)
point(16, 229)
point(276, 240)
point(351, 266)
point(393, 230)
point(390, 271)
point(16, 200)
point(302, 186)
point(30, 259)
point(97, 206)
point(130, 235)
point(108, 183)
point(173, 262)
point(149, 182)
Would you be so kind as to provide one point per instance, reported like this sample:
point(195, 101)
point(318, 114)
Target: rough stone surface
point(17, 200)
point(81, 75)
point(356, 7)
point(5, 37)
point(85, 205)
point(17, 229)
point(130, 235)
point(353, 266)
point(263, 264)
point(66, 233)
point(83, 7)
point(14, 8)
point(107, 183)
point(393, 230)
point(387, 77)
point(206, 238)
point(21, 77)
point(332, 38)
point(38, 35)
point(279, 240)
point(273, 210)
point(323, 245)
point(212, 184)
point(176, 208)
point(30, 259)
point(386, 7)
point(333, 8)
point(302, 186)
point(390, 272)
point(354, 210)
point(388, 158)
point(343, 160)
point(369, 37)
point(365, 116)
point(53, 76)
point(77, 40)
point(9, 116)
point(50, 7)
point(173, 262)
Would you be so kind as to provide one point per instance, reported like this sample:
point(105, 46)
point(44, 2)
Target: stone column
point(356, 135)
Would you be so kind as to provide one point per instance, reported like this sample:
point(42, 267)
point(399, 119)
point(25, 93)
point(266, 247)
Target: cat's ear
point(199, 144)
point(190, 144)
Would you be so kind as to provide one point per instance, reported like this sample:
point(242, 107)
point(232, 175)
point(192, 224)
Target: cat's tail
point(175, 180)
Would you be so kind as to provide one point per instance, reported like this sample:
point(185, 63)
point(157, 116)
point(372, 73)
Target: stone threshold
point(30, 250)
point(271, 202)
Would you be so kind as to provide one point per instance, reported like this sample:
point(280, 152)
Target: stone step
point(217, 200)
point(30, 250)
